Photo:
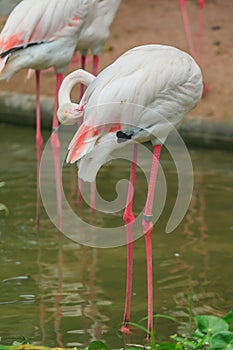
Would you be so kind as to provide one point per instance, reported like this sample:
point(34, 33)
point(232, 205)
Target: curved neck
point(79, 76)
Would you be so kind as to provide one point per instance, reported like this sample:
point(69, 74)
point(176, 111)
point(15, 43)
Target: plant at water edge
point(211, 332)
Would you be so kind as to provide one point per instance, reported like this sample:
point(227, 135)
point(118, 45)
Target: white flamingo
point(39, 35)
point(136, 98)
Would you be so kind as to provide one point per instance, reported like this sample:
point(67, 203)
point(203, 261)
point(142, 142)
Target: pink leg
point(80, 188)
point(129, 220)
point(206, 87)
point(93, 203)
point(56, 151)
point(93, 185)
point(201, 30)
point(148, 228)
point(83, 66)
point(75, 61)
point(187, 28)
point(80, 182)
point(95, 64)
point(39, 143)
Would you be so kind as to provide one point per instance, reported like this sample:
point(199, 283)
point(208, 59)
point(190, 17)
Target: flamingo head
point(69, 113)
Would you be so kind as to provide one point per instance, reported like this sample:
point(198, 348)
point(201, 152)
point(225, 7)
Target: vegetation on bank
point(210, 332)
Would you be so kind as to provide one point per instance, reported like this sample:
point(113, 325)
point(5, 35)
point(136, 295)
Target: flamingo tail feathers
point(82, 143)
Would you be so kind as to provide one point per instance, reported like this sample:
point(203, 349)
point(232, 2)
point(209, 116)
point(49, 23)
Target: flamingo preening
point(39, 35)
point(135, 99)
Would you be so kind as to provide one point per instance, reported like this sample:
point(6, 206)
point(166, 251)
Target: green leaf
point(20, 346)
point(229, 319)
point(2, 347)
point(134, 346)
point(160, 316)
point(166, 346)
point(222, 341)
point(210, 324)
point(97, 345)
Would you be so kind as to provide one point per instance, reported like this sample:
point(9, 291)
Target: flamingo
point(135, 99)
point(96, 31)
point(39, 35)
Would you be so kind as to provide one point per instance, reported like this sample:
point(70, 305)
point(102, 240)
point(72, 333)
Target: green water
point(60, 293)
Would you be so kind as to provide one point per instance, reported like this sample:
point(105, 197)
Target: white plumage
point(143, 93)
point(41, 34)
point(96, 30)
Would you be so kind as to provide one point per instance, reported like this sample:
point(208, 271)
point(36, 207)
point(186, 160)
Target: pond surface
point(60, 293)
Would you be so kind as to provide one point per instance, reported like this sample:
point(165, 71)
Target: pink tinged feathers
point(84, 141)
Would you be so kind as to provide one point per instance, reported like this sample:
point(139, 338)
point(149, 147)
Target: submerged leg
point(129, 220)
point(148, 228)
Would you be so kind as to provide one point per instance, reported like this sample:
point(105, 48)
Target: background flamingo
point(41, 34)
point(135, 99)
point(94, 35)
point(95, 31)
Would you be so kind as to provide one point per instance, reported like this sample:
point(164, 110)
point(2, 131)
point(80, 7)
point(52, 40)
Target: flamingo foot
point(125, 329)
